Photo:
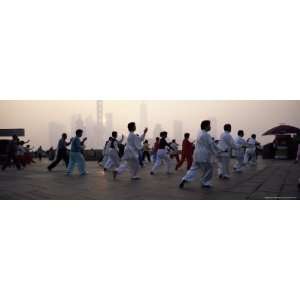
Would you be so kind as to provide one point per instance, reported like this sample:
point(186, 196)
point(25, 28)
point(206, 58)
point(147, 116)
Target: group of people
point(19, 153)
point(199, 155)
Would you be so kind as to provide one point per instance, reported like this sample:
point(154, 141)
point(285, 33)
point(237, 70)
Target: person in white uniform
point(105, 153)
point(130, 159)
point(204, 151)
point(226, 144)
point(250, 154)
point(162, 154)
point(240, 151)
point(113, 160)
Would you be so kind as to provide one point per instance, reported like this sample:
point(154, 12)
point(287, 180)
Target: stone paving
point(270, 179)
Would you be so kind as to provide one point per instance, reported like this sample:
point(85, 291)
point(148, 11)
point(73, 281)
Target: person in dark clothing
point(12, 154)
point(40, 153)
point(62, 152)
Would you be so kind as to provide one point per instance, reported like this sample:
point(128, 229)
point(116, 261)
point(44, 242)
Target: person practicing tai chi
point(240, 151)
point(162, 154)
point(76, 156)
point(113, 160)
point(130, 159)
point(205, 150)
point(12, 149)
point(61, 152)
point(250, 154)
point(155, 149)
point(105, 153)
point(226, 144)
point(187, 152)
point(174, 151)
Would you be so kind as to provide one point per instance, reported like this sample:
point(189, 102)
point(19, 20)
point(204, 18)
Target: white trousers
point(250, 156)
point(162, 156)
point(239, 163)
point(223, 163)
point(76, 158)
point(113, 160)
point(132, 164)
point(205, 167)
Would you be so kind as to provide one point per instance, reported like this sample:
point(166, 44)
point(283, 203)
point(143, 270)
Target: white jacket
point(226, 143)
point(241, 144)
point(205, 147)
point(133, 146)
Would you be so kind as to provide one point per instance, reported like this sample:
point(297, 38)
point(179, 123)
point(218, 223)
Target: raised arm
point(121, 140)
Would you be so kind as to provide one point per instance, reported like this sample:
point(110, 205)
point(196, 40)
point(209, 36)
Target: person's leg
point(122, 168)
point(81, 164)
point(239, 164)
point(225, 165)
point(148, 156)
point(56, 161)
point(177, 158)
point(157, 163)
point(246, 157)
point(72, 162)
point(189, 159)
point(190, 174)
point(65, 157)
point(253, 158)
point(16, 161)
point(220, 166)
point(207, 174)
point(134, 166)
point(179, 164)
point(167, 159)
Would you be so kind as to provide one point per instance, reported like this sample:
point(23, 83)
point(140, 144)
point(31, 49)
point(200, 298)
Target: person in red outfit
point(187, 152)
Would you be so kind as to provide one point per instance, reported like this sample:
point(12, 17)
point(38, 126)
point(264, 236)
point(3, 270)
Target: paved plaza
point(268, 180)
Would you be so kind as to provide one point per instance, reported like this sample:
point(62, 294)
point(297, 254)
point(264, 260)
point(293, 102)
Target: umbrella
point(282, 129)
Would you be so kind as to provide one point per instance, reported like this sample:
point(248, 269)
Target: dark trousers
point(60, 155)
point(188, 158)
point(146, 154)
point(11, 156)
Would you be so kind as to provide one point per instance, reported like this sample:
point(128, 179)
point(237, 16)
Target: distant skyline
point(37, 116)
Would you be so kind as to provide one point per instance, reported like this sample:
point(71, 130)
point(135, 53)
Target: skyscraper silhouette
point(177, 130)
point(108, 125)
point(99, 118)
point(143, 116)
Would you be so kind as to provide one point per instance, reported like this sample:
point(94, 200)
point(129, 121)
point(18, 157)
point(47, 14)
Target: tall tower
point(99, 118)
point(108, 125)
point(177, 130)
point(143, 116)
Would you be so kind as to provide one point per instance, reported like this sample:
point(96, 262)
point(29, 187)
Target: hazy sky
point(252, 116)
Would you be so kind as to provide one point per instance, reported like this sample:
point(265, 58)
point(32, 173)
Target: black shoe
point(151, 173)
point(49, 169)
point(104, 169)
point(181, 185)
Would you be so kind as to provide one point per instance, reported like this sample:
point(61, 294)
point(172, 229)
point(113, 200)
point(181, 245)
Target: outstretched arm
point(82, 143)
point(68, 143)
